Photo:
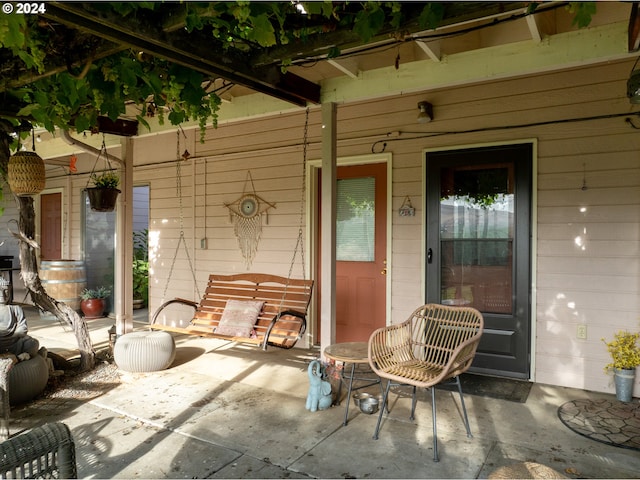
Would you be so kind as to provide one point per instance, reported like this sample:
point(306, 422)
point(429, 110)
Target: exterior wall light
point(426, 112)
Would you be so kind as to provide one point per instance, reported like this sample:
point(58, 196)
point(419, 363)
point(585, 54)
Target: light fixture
point(426, 112)
point(25, 171)
point(633, 85)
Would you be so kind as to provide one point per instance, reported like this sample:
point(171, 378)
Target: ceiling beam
point(431, 49)
point(183, 49)
point(348, 66)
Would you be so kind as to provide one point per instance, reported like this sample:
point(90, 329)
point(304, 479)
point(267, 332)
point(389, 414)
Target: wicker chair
point(437, 343)
point(47, 451)
point(5, 366)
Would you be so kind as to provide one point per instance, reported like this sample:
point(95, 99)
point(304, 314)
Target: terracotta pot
point(93, 308)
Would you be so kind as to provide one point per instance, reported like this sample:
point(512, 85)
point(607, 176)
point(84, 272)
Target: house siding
point(586, 266)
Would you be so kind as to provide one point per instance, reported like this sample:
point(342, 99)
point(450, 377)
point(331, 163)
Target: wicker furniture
point(437, 343)
point(282, 318)
point(47, 451)
point(5, 366)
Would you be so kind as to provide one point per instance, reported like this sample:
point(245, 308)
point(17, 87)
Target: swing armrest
point(301, 315)
point(183, 301)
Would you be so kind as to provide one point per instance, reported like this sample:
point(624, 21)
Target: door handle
point(384, 270)
point(429, 255)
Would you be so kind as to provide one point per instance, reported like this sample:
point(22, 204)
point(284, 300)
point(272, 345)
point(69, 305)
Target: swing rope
point(181, 239)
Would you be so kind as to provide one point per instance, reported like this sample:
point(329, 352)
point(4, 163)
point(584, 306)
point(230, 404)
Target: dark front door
point(478, 246)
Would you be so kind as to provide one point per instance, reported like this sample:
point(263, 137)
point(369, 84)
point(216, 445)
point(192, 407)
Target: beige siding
point(587, 268)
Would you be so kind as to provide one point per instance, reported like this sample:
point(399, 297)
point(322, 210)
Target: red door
point(361, 246)
point(51, 226)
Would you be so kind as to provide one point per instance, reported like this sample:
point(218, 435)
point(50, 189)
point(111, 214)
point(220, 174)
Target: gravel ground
point(85, 385)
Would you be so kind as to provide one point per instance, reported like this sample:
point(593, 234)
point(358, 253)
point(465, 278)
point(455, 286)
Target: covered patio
point(246, 418)
point(223, 410)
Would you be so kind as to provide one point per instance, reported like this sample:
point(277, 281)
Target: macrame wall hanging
point(246, 215)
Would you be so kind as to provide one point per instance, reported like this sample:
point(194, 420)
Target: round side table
point(350, 353)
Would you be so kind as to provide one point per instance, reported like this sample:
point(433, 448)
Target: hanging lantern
point(25, 173)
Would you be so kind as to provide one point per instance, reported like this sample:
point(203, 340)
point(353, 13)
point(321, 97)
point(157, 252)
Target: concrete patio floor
point(231, 411)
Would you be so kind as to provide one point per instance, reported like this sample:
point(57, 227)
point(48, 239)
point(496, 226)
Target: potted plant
point(93, 301)
point(104, 193)
point(140, 269)
point(625, 355)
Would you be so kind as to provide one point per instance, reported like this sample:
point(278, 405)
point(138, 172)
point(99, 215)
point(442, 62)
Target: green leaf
point(69, 91)
point(193, 21)
point(82, 123)
point(263, 32)
point(143, 121)
point(27, 110)
point(334, 52)
point(127, 71)
point(431, 15)
point(583, 11)
point(11, 31)
point(368, 23)
point(176, 118)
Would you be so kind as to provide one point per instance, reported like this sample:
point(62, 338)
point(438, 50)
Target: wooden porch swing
point(253, 308)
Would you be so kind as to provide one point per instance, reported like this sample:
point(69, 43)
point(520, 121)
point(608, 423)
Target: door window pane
point(476, 232)
point(355, 228)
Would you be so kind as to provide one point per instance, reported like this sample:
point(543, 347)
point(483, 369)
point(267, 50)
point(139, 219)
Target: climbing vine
point(75, 96)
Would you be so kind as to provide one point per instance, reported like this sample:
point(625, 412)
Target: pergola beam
point(182, 49)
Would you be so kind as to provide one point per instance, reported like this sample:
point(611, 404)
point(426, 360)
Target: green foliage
point(100, 292)
point(431, 15)
point(108, 179)
point(624, 351)
point(141, 280)
point(141, 265)
point(109, 84)
point(141, 245)
point(582, 13)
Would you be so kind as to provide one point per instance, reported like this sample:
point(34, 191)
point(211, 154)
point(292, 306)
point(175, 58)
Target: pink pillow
point(239, 317)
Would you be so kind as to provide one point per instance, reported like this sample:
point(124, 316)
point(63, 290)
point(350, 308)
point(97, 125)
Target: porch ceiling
point(466, 27)
point(471, 44)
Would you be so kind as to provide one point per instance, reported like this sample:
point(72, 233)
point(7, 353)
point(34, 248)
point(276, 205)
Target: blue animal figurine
point(319, 397)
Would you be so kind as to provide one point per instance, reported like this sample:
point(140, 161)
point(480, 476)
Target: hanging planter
point(104, 194)
point(102, 199)
point(25, 173)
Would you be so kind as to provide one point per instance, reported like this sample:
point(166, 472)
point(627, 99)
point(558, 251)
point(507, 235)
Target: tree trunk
point(29, 271)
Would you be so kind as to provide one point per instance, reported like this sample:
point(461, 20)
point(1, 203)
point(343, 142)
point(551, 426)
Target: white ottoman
point(144, 351)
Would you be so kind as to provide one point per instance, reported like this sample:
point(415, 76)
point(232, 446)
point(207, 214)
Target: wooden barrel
point(64, 280)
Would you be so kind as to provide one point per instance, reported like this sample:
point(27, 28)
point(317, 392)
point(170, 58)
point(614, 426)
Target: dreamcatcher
point(246, 215)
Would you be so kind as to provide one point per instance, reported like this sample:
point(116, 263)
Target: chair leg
point(382, 395)
point(435, 429)
point(414, 400)
point(382, 407)
point(464, 408)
